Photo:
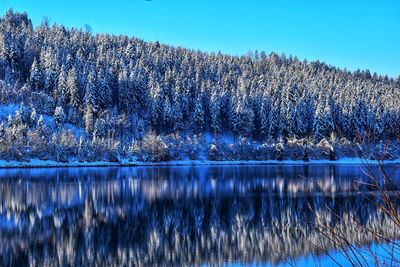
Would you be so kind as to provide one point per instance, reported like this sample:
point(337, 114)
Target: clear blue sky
point(345, 33)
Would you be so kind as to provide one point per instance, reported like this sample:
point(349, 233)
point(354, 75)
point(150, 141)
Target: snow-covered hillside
point(69, 96)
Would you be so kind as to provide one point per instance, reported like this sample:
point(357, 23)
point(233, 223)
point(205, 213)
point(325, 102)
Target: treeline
point(120, 89)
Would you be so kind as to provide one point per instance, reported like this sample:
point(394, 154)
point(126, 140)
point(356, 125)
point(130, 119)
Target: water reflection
point(179, 216)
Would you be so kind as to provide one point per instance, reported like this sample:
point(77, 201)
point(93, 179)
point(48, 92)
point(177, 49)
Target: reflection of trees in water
point(164, 218)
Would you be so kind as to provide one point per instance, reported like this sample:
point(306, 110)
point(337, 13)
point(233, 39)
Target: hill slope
point(131, 98)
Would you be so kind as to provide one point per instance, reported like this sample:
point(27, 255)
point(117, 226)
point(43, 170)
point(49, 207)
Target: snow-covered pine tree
point(323, 122)
point(89, 119)
point(33, 118)
point(40, 122)
point(2, 131)
point(99, 130)
point(36, 77)
point(157, 105)
point(73, 89)
point(301, 119)
point(264, 115)
point(198, 116)
point(61, 92)
point(167, 115)
point(104, 90)
point(233, 115)
point(91, 92)
point(49, 66)
point(59, 116)
point(124, 94)
point(246, 115)
point(17, 120)
point(215, 107)
point(177, 117)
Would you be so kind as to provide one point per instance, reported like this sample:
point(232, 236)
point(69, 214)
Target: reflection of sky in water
point(182, 215)
point(338, 256)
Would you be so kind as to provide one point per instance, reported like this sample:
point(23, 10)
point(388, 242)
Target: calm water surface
point(185, 216)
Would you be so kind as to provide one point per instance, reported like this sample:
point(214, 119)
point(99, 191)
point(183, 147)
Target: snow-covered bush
point(229, 151)
point(174, 144)
point(279, 150)
point(191, 147)
point(265, 151)
point(154, 148)
point(213, 152)
point(244, 149)
point(344, 149)
point(297, 149)
point(323, 150)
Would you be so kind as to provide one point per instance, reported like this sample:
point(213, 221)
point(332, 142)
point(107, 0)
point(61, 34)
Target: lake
point(251, 215)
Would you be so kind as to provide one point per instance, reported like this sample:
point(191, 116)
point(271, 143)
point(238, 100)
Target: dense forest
point(67, 94)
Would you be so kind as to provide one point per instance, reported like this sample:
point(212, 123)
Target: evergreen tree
point(89, 119)
point(323, 124)
point(167, 115)
point(233, 117)
point(273, 123)
point(36, 79)
point(59, 116)
point(73, 89)
point(215, 107)
point(33, 118)
point(2, 131)
point(104, 90)
point(99, 130)
point(198, 117)
point(61, 93)
point(124, 92)
point(246, 118)
point(177, 117)
point(264, 115)
point(157, 106)
point(40, 122)
point(301, 120)
point(91, 90)
point(17, 121)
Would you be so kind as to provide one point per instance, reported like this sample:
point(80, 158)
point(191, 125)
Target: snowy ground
point(51, 163)
point(6, 110)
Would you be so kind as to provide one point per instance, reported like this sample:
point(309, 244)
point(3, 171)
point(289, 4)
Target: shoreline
point(37, 163)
